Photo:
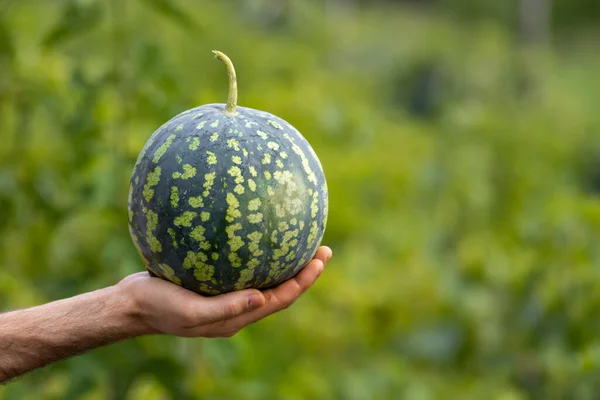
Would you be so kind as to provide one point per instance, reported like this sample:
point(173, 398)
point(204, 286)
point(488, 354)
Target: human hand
point(162, 307)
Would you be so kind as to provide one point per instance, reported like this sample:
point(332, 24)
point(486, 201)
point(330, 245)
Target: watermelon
point(224, 198)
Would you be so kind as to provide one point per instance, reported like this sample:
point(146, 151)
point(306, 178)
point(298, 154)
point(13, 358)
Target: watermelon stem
point(232, 98)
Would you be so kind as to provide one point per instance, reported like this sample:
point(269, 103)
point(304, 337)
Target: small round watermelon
point(225, 198)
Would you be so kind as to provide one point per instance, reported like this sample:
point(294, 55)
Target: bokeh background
point(461, 142)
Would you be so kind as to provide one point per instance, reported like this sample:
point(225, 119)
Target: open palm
point(167, 308)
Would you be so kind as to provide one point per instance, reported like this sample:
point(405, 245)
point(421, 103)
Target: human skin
point(136, 306)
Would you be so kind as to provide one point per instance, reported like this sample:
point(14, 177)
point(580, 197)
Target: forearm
point(38, 336)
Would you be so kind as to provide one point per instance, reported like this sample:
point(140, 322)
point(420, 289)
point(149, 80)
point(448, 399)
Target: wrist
point(130, 311)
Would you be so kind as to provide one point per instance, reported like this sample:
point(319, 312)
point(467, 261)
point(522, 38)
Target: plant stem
point(233, 91)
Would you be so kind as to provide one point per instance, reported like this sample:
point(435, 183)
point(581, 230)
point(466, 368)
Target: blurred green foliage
point(463, 173)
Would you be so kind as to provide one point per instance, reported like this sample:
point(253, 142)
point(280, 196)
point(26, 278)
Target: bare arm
point(37, 336)
point(138, 305)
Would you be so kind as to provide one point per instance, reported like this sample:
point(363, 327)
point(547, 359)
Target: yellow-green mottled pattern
point(222, 203)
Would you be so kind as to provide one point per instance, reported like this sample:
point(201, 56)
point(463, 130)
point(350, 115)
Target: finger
point(324, 253)
point(286, 293)
point(207, 310)
point(283, 295)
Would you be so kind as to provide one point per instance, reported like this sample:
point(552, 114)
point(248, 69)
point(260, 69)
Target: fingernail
point(321, 267)
point(254, 301)
point(329, 255)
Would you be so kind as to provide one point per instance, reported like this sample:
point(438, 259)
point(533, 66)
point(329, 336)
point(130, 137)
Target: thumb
point(229, 305)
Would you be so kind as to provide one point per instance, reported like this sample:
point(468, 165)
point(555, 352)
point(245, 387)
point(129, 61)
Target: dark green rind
point(157, 212)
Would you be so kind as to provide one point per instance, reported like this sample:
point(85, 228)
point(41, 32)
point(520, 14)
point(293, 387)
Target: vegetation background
point(461, 141)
